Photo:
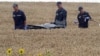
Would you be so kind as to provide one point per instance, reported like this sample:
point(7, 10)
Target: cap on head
point(80, 8)
point(59, 3)
point(15, 5)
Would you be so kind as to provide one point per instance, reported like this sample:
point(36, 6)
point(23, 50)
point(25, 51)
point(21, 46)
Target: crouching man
point(19, 18)
point(83, 18)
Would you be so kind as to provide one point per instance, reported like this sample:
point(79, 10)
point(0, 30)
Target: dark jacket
point(83, 19)
point(61, 15)
point(19, 18)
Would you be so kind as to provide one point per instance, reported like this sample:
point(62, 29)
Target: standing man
point(60, 18)
point(83, 18)
point(61, 15)
point(19, 18)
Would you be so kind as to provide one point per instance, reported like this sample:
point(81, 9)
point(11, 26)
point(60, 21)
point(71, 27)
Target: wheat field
point(70, 41)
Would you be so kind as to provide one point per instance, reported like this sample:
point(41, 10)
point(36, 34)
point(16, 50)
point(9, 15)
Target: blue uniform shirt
point(61, 15)
point(83, 19)
point(19, 19)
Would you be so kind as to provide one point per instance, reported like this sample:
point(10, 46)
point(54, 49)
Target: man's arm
point(24, 17)
point(13, 16)
point(89, 17)
point(64, 15)
point(78, 18)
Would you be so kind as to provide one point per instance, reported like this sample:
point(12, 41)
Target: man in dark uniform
point(83, 18)
point(60, 18)
point(61, 15)
point(19, 18)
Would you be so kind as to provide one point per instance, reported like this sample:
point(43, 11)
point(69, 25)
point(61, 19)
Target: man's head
point(80, 9)
point(15, 6)
point(59, 4)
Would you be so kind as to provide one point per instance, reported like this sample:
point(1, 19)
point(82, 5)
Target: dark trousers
point(19, 27)
point(83, 25)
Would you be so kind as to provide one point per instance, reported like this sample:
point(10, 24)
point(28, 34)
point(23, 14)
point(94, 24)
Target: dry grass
point(71, 41)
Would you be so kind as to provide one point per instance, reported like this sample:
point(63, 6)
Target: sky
point(95, 1)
